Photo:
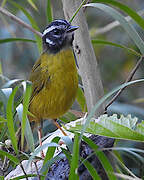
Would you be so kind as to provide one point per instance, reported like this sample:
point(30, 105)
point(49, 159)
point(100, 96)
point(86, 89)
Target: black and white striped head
point(58, 35)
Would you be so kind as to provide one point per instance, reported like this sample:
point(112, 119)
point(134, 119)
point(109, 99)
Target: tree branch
point(129, 78)
point(19, 21)
point(84, 52)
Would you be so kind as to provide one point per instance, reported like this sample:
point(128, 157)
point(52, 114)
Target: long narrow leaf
point(71, 19)
point(24, 176)
point(119, 160)
point(138, 19)
point(102, 101)
point(49, 11)
point(4, 95)
point(32, 4)
point(49, 155)
point(10, 122)
point(68, 143)
point(3, 3)
point(81, 99)
point(32, 21)
point(126, 25)
point(7, 40)
point(52, 161)
point(75, 159)
point(27, 94)
point(51, 150)
point(102, 42)
point(10, 156)
point(11, 82)
point(92, 170)
point(67, 154)
point(102, 157)
point(2, 120)
point(39, 149)
point(28, 131)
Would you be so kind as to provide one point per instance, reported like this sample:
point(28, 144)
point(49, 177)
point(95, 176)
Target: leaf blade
point(7, 40)
point(10, 122)
point(126, 25)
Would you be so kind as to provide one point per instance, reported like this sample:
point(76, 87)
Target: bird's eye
point(57, 31)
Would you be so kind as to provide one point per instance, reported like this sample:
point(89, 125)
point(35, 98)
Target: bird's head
point(58, 35)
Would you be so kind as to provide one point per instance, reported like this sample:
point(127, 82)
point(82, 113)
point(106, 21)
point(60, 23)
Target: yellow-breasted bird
point(54, 75)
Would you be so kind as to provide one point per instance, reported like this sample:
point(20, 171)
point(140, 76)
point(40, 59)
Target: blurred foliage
point(115, 61)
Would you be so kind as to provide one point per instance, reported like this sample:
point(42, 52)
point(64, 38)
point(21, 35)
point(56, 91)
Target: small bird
point(54, 75)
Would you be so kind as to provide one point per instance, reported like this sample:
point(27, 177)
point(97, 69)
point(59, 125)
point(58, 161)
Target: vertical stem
point(84, 52)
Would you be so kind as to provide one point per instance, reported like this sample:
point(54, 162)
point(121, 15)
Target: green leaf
point(81, 99)
point(71, 19)
point(51, 150)
point(112, 126)
point(101, 101)
point(10, 157)
point(106, 164)
point(11, 82)
point(32, 4)
point(68, 117)
point(119, 160)
point(138, 19)
point(67, 154)
point(49, 11)
point(75, 159)
point(3, 131)
point(7, 40)
point(126, 25)
point(51, 161)
point(24, 176)
point(26, 99)
point(49, 155)
point(40, 148)
point(3, 3)
point(68, 143)
point(32, 21)
point(28, 131)
point(103, 42)
point(1, 70)
point(4, 95)
point(91, 170)
point(102, 157)
point(2, 120)
point(10, 122)
point(140, 128)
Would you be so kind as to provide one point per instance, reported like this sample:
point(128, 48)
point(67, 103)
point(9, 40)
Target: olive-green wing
point(37, 77)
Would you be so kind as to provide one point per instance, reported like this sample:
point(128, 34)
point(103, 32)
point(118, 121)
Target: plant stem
point(19, 21)
point(23, 170)
point(129, 78)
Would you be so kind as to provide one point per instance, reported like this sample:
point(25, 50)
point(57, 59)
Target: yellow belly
point(58, 74)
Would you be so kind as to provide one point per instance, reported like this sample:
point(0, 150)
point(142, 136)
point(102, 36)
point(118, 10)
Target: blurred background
point(17, 58)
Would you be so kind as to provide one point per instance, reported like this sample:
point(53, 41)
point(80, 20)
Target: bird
point(54, 76)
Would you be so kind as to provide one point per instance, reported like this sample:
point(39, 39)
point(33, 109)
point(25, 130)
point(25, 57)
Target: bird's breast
point(61, 82)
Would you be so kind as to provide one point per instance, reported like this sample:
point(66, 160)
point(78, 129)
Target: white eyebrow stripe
point(49, 41)
point(61, 21)
point(48, 29)
point(52, 28)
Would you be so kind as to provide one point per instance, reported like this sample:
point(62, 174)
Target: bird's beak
point(72, 28)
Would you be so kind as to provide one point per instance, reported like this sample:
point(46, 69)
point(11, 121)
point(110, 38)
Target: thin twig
point(19, 21)
point(37, 170)
point(129, 78)
point(114, 24)
point(23, 170)
point(84, 8)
